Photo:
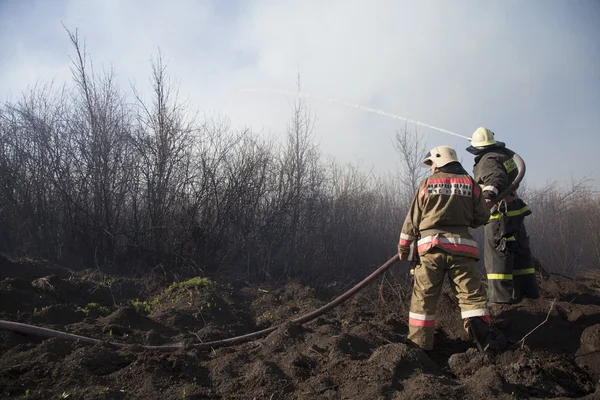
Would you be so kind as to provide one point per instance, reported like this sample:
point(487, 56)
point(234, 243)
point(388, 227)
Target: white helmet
point(440, 156)
point(483, 138)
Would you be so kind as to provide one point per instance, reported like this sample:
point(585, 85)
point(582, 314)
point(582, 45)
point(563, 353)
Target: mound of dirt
point(539, 374)
point(273, 306)
point(73, 290)
point(588, 355)
point(356, 351)
point(581, 292)
point(205, 311)
point(57, 314)
point(29, 269)
point(544, 374)
point(131, 318)
point(550, 323)
point(19, 296)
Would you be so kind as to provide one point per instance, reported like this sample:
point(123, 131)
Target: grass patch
point(197, 282)
point(94, 308)
point(187, 291)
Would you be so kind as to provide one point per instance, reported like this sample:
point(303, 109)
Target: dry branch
point(522, 341)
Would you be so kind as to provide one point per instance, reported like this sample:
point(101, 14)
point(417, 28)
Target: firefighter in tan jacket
point(445, 206)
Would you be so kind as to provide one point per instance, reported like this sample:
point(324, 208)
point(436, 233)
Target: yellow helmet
point(481, 139)
point(440, 155)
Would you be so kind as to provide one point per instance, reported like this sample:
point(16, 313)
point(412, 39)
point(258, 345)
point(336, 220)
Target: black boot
point(479, 330)
point(499, 343)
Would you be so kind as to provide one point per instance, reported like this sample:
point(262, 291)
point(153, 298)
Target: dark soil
point(354, 352)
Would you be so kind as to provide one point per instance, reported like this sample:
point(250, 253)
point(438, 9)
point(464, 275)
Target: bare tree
point(164, 140)
point(300, 155)
point(410, 146)
point(99, 128)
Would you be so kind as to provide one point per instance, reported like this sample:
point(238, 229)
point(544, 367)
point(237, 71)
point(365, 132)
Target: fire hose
point(514, 185)
point(51, 333)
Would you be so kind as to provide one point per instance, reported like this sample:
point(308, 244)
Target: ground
point(353, 352)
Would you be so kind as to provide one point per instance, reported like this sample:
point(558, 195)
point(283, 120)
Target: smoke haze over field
point(530, 71)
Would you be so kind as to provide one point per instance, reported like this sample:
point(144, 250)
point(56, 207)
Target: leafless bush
point(564, 228)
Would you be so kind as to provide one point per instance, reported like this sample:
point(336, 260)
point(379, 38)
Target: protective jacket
point(445, 206)
point(494, 171)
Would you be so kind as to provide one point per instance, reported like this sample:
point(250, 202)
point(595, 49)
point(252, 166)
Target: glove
point(403, 253)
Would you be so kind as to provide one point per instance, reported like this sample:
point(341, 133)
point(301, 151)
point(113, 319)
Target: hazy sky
point(529, 69)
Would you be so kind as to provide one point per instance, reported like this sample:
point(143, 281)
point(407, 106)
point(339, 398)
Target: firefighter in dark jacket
point(507, 256)
point(446, 205)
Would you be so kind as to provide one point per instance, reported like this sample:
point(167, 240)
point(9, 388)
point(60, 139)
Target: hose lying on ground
point(51, 333)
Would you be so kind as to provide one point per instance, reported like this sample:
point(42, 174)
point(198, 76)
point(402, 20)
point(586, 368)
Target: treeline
point(564, 228)
point(89, 179)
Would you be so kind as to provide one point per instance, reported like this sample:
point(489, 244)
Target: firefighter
point(508, 260)
point(445, 206)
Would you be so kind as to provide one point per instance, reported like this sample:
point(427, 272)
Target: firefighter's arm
point(494, 178)
point(481, 212)
point(410, 228)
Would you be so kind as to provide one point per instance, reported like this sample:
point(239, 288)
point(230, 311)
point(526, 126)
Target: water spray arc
point(347, 104)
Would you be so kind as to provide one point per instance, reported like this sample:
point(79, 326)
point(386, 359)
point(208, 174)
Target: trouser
point(428, 280)
point(508, 260)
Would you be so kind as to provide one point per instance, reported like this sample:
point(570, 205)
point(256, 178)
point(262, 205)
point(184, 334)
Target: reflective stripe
point(448, 181)
point(510, 165)
point(452, 240)
point(418, 322)
point(510, 239)
point(449, 243)
point(491, 189)
point(525, 271)
point(423, 317)
point(427, 321)
point(502, 277)
point(513, 213)
point(405, 240)
point(407, 237)
point(482, 312)
point(450, 186)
